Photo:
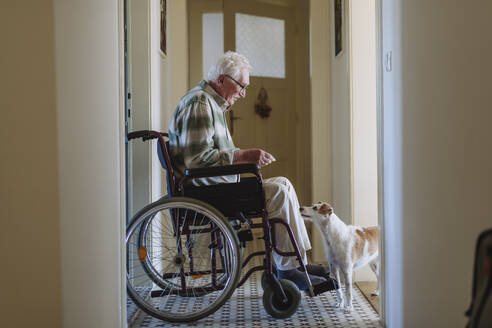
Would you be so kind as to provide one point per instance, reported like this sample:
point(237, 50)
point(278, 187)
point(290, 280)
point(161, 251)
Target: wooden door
point(277, 132)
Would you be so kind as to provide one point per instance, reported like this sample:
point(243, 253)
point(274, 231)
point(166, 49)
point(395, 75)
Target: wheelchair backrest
point(162, 153)
point(170, 178)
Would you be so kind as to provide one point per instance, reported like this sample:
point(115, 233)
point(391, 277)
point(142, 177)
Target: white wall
point(140, 81)
point(29, 192)
point(169, 77)
point(303, 104)
point(177, 75)
point(320, 113)
point(341, 188)
point(157, 93)
point(158, 80)
point(90, 136)
point(362, 15)
point(437, 141)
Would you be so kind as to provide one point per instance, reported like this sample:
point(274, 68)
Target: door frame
point(136, 109)
point(122, 67)
point(380, 162)
point(139, 86)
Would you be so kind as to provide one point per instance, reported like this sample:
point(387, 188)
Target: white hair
point(230, 63)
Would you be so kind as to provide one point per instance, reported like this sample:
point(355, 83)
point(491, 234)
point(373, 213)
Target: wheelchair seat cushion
point(245, 196)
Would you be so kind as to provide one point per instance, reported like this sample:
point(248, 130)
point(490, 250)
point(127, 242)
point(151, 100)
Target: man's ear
point(221, 78)
point(325, 209)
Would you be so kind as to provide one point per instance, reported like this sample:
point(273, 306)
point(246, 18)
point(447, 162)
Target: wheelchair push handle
point(145, 135)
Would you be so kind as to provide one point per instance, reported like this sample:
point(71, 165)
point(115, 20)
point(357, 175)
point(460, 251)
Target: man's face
point(234, 89)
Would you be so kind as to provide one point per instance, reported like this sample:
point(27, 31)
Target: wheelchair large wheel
point(183, 259)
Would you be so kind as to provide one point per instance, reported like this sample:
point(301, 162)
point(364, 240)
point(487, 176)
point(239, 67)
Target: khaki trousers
point(281, 202)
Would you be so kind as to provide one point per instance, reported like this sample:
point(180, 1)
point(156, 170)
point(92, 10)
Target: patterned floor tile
point(245, 309)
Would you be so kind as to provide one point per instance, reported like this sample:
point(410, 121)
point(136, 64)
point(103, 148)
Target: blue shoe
point(322, 271)
point(318, 270)
point(298, 278)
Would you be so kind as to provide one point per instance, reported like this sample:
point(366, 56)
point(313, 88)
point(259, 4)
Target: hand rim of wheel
point(220, 221)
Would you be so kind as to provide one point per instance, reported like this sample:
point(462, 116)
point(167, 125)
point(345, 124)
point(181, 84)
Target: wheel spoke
point(173, 254)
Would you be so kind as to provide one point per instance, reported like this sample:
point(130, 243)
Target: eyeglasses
point(243, 87)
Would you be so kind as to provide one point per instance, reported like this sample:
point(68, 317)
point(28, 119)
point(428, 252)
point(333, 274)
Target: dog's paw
point(348, 308)
point(339, 304)
point(375, 292)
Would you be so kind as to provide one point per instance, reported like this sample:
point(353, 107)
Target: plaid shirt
point(199, 136)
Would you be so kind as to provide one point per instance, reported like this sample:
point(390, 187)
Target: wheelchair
point(185, 251)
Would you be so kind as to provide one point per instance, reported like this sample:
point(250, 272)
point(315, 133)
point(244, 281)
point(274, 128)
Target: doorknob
point(232, 118)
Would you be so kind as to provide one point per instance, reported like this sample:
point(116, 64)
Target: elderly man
point(199, 137)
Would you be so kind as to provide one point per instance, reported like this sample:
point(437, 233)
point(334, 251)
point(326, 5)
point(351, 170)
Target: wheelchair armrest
point(214, 171)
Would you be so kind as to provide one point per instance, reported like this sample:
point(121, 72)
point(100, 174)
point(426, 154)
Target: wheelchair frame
point(176, 189)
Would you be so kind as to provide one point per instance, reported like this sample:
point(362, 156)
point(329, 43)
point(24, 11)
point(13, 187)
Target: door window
point(262, 41)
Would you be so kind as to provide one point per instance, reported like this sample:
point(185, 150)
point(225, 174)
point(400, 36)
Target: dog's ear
point(325, 209)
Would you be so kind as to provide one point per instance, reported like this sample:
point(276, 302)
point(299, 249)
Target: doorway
point(316, 168)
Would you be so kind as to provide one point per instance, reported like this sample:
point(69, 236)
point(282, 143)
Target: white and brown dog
point(347, 247)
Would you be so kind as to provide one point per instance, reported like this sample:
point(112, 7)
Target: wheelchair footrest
point(325, 286)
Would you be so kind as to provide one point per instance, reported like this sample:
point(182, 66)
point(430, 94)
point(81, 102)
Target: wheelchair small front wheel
point(273, 303)
point(183, 259)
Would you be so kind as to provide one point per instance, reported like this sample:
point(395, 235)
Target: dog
point(347, 247)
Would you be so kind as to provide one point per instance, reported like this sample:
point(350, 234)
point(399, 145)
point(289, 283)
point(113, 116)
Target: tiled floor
point(245, 309)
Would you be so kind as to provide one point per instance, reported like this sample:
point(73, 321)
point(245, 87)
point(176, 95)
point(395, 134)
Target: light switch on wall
point(388, 65)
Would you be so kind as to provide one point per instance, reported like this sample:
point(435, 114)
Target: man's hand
point(257, 156)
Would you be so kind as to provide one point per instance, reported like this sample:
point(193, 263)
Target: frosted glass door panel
point(262, 41)
point(213, 39)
